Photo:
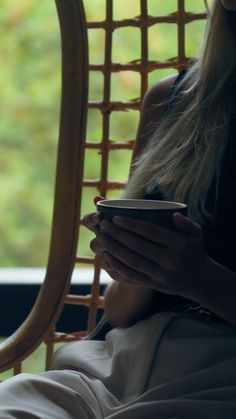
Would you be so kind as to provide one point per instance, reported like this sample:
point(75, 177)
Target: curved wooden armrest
point(50, 300)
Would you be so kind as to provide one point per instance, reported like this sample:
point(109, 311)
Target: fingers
point(92, 220)
point(176, 240)
point(117, 270)
point(125, 255)
point(98, 198)
point(153, 232)
point(137, 244)
point(147, 254)
point(120, 272)
point(136, 251)
point(123, 273)
point(187, 226)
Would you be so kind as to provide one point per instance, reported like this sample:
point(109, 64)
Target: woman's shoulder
point(153, 108)
point(157, 95)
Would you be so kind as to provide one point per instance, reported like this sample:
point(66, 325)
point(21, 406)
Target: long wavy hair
point(184, 155)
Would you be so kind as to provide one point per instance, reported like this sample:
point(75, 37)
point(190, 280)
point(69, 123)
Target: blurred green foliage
point(29, 106)
point(29, 111)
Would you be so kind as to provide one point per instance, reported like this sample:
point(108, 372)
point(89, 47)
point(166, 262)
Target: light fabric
point(170, 366)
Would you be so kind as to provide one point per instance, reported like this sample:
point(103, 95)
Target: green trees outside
point(29, 106)
point(29, 111)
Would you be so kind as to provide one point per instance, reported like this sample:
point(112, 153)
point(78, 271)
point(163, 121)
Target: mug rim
point(113, 203)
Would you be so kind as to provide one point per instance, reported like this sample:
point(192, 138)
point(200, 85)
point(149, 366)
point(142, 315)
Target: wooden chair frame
point(40, 324)
point(50, 300)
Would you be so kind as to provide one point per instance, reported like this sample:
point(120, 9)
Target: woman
point(174, 291)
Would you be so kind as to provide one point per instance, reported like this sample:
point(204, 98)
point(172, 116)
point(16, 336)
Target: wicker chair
point(40, 325)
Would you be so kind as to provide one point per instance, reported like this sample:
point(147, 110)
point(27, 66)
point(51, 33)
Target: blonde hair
point(184, 155)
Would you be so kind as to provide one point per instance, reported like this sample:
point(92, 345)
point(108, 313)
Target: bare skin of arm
point(126, 303)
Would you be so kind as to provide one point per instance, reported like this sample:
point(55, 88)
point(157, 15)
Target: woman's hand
point(92, 220)
point(142, 253)
point(124, 304)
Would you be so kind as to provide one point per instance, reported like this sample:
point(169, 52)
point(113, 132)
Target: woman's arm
point(126, 303)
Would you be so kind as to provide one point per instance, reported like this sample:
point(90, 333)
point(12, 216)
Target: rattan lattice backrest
point(150, 18)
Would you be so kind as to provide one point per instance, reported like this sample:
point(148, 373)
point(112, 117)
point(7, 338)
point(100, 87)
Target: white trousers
point(168, 366)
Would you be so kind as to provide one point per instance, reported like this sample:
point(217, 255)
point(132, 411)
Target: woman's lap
point(166, 366)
